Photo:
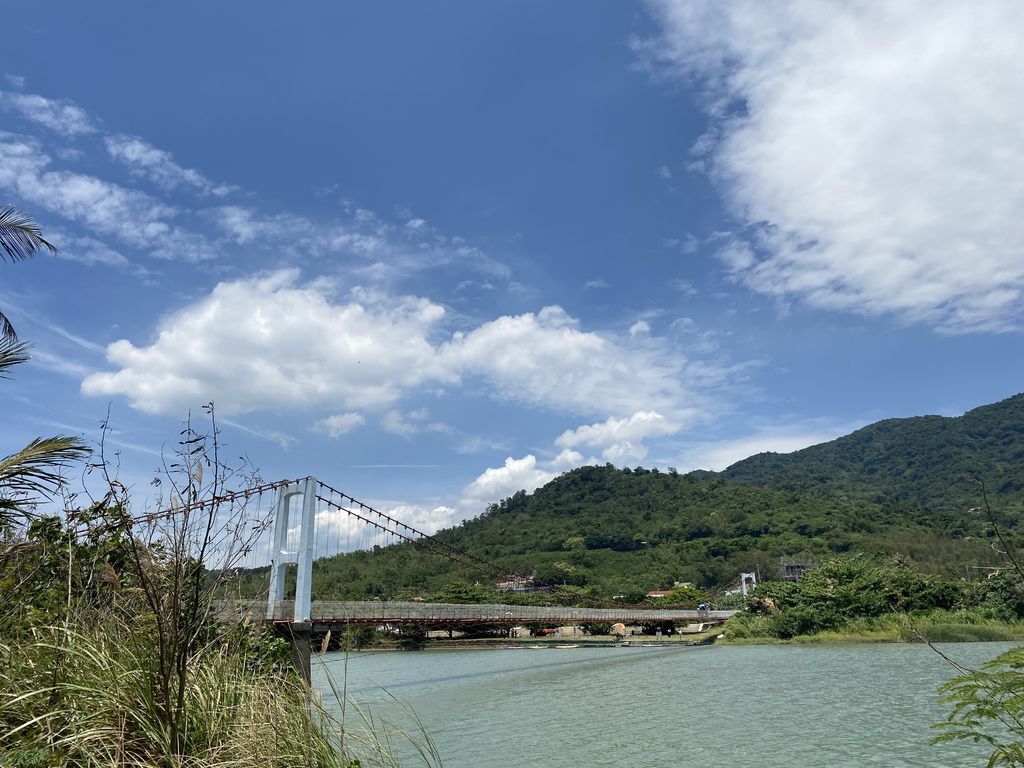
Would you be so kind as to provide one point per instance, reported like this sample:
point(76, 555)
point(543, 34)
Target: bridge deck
point(389, 612)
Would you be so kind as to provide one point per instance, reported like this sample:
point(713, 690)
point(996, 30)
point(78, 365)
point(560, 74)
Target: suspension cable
point(458, 554)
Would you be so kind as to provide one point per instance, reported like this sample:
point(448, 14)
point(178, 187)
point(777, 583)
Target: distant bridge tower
point(744, 578)
point(302, 557)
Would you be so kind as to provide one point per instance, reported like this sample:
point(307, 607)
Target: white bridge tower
point(302, 557)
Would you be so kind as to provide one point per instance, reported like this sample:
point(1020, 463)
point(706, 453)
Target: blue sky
point(435, 253)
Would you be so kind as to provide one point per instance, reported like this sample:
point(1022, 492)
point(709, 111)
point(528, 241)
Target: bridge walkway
point(334, 613)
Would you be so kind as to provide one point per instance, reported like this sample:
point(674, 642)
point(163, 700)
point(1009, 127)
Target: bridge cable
point(460, 555)
point(414, 541)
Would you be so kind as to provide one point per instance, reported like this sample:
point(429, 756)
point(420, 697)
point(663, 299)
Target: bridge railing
point(386, 611)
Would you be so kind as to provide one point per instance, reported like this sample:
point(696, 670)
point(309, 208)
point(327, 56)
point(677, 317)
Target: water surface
point(766, 706)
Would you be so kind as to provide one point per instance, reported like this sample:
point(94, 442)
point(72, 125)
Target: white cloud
point(87, 250)
point(389, 252)
point(640, 328)
point(410, 423)
point(107, 208)
point(247, 226)
point(717, 455)
point(545, 359)
point(480, 444)
point(60, 364)
point(341, 423)
point(594, 284)
point(271, 435)
point(621, 441)
point(268, 342)
point(62, 116)
point(158, 166)
point(271, 342)
point(497, 483)
point(872, 150)
point(16, 80)
point(567, 459)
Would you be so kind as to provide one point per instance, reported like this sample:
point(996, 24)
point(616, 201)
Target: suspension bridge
point(307, 519)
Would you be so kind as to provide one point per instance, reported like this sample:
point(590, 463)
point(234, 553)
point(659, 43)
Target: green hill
point(629, 531)
point(923, 459)
point(896, 487)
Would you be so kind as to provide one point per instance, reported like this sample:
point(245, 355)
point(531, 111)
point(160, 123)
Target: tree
point(20, 239)
point(34, 470)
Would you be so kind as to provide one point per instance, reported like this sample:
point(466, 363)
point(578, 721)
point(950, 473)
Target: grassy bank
point(936, 626)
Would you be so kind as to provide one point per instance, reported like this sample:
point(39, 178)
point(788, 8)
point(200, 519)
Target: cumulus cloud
point(871, 150)
point(61, 116)
point(640, 328)
point(496, 483)
point(270, 342)
point(621, 441)
point(146, 161)
point(567, 459)
point(545, 359)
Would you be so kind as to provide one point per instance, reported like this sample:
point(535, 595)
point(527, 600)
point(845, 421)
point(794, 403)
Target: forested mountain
point(923, 459)
point(896, 487)
point(628, 531)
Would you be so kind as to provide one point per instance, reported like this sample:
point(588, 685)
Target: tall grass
point(80, 698)
point(112, 653)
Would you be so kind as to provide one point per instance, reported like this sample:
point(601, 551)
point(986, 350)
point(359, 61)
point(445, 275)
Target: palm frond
point(35, 469)
point(12, 353)
point(20, 237)
point(6, 329)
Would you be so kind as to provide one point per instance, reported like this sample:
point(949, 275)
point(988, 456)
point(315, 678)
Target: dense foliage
point(922, 459)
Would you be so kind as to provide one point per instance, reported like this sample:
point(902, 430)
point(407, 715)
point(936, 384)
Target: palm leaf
point(12, 352)
point(6, 329)
point(20, 237)
point(35, 469)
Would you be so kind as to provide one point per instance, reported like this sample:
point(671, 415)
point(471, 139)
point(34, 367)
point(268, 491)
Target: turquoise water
point(766, 706)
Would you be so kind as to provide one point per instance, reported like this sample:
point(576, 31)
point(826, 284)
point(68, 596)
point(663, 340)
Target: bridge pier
point(299, 636)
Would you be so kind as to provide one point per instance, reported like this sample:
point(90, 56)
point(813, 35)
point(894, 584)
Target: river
point(763, 706)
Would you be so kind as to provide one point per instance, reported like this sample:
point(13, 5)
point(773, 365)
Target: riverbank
point(935, 628)
point(743, 629)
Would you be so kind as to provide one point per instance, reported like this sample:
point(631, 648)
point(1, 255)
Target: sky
point(434, 253)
